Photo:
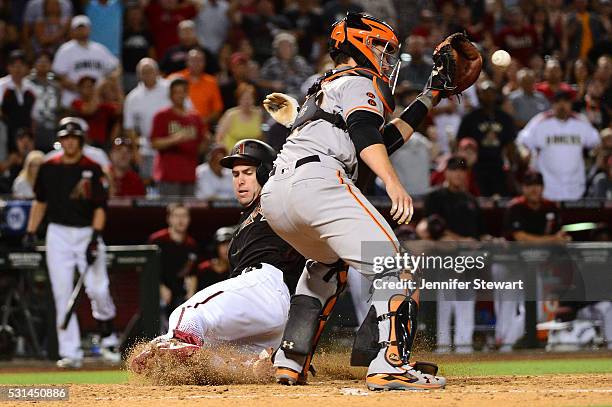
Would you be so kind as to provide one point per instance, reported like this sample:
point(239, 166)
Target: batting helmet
point(224, 234)
point(256, 152)
point(73, 126)
point(357, 36)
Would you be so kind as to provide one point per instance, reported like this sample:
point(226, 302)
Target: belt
point(302, 161)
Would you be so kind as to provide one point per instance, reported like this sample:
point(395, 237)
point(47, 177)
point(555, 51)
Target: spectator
point(494, 131)
point(552, 81)
point(526, 102)
point(335, 10)
point(426, 24)
point(239, 73)
point(175, 58)
point(583, 30)
point(178, 252)
point(212, 25)
point(602, 183)
point(418, 68)
point(285, 71)
point(178, 136)
point(81, 57)
point(9, 169)
point(261, 27)
point(556, 139)
point(518, 36)
point(467, 150)
point(600, 155)
point(107, 23)
point(217, 269)
point(212, 180)
point(308, 27)
point(137, 44)
point(141, 104)
point(412, 163)
point(51, 29)
point(48, 105)
point(35, 12)
point(125, 181)
point(17, 97)
point(7, 45)
point(240, 122)
point(382, 9)
point(164, 17)
point(203, 89)
point(581, 76)
point(23, 186)
point(593, 107)
point(102, 118)
point(548, 42)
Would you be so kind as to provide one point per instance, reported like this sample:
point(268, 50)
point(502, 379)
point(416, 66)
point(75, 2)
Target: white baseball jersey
point(141, 104)
point(344, 96)
point(559, 147)
point(76, 61)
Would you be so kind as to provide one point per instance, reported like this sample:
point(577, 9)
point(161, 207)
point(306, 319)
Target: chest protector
point(311, 110)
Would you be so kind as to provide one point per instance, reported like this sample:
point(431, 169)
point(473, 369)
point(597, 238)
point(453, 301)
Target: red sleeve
point(137, 187)
point(77, 105)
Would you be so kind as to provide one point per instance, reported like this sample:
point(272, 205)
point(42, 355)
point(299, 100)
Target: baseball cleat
point(409, 380)
point(174, 347)
point(286, 376)
point(69, 363)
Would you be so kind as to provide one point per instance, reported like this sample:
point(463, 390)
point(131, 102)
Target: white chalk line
point(343, 392)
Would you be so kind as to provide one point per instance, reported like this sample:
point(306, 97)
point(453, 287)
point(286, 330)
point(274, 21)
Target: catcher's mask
point(262, 155)
point(372, 43)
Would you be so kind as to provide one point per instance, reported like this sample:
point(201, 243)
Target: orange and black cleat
point(410, 380)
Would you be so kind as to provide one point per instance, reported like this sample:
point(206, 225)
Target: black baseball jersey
point(520, 217)
point(254, 242)
point(71, 191)
point(178, 260)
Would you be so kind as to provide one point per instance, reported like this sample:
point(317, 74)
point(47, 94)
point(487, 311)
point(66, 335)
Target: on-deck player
point(312, 202)
point(250, 308)
point(71, 190)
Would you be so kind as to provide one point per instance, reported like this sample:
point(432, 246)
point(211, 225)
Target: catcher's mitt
point(457, 64)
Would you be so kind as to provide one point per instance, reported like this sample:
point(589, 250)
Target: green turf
point(449, 369)
point(527, 367)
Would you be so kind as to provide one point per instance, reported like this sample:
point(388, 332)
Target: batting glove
point(283, 108)
point(28, 242)
point(92, 248)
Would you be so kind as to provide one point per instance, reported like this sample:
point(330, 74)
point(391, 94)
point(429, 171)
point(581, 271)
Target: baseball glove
point(457, 64)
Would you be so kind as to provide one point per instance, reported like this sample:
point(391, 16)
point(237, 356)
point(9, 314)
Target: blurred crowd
point(167, 87)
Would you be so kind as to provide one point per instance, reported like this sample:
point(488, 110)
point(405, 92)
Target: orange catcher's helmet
point(372, 43)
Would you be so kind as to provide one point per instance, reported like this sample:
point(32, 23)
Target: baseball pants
point(249, 310)
point(319, 211)
point(66, 246)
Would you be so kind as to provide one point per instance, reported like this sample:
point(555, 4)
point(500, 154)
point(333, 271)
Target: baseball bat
point(73, 301)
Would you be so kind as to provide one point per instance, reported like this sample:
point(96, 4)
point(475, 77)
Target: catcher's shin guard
point(307, 319)
point(401, 315)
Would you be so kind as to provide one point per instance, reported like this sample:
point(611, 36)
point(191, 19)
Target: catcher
point(312, 200)
point(248, 310)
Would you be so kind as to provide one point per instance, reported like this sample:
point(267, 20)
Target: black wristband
point(414, 114)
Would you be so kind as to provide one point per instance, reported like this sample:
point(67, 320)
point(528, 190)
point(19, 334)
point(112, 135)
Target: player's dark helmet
point(254, 151)
point(357, 36)
point(224, 234)
point(73, 126)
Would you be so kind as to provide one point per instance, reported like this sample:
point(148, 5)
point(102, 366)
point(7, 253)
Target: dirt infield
point(512, 391)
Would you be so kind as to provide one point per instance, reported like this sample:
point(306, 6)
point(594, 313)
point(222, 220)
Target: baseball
point(501, 58)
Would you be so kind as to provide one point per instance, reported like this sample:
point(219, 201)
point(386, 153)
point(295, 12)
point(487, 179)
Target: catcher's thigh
point(250, 309)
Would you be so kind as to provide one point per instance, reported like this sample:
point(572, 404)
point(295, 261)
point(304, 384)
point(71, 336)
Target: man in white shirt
point(81, 57)
point(212, 24)
point(141, 104)
point(212, 180)
point(557, 139)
